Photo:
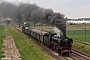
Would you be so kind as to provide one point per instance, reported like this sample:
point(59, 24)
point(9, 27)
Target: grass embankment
point(2, 35)
point(82, 47)
point(28, 49)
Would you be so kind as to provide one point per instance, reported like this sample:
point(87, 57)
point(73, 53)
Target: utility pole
point(85, 33)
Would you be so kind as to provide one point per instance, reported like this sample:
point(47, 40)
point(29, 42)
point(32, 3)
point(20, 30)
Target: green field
point(77, 32)
point(28, 49)
point(79, 35)
point(2, 35)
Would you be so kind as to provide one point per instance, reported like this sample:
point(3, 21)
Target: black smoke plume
point(59, 21)
point(25, 12)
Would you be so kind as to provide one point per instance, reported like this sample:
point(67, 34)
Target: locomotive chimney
point(64, 34)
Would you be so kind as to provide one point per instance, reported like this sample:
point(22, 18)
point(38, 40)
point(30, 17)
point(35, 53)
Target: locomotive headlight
point(66, 40)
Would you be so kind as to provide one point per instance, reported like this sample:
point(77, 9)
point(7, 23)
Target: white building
point(78, 21)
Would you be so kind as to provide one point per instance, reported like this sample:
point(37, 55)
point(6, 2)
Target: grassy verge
point(82, 47)
point(2, 35)
point(28, 49)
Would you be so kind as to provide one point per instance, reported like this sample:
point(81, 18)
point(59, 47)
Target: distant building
point(79, 20)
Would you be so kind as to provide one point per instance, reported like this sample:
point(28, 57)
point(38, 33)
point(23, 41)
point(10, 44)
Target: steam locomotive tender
point(62, 44)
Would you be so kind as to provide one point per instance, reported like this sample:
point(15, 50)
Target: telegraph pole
point(85, 33)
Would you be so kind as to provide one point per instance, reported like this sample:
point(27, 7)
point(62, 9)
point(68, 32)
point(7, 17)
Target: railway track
point(87, 43)
point(69, 58)
point(80, 54)
point(75, 55)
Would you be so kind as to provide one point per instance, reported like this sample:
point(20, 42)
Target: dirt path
point(11, 52)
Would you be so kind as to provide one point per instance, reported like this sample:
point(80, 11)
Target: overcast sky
point(70, 8)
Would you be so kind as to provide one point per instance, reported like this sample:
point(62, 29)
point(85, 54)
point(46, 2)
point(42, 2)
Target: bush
point(1, 52)
point(72, 23)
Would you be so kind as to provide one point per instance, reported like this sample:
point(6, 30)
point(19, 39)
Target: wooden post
point(85, 34)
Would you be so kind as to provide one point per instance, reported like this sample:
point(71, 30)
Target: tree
point(8, 22)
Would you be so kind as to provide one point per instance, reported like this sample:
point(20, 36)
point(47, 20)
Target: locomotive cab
point(23, 28)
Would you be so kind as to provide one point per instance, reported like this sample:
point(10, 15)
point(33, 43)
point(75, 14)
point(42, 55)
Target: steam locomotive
point(62, 44)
